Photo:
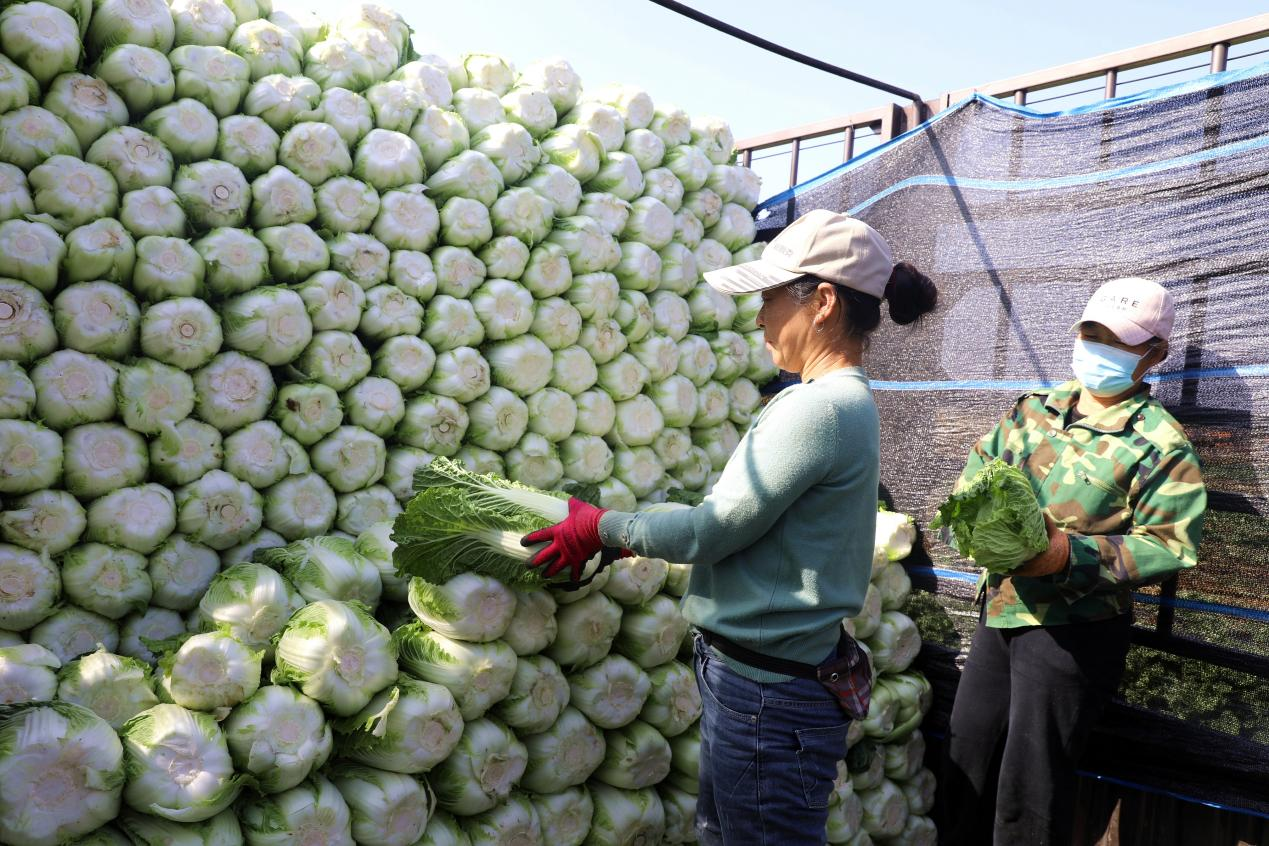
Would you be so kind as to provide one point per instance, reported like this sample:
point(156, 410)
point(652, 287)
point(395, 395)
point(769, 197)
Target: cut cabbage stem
point(508, 543)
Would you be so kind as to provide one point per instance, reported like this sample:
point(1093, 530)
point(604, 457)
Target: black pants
point(1026, 703)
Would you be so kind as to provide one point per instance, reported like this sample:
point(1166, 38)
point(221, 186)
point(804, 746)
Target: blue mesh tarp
point(1018, 215)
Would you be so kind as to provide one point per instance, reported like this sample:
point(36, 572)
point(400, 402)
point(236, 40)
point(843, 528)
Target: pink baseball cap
point(1136, 310)
point(828, 245)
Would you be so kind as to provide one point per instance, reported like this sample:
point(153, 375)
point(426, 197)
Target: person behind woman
point(1124, 499)
point(782, 547)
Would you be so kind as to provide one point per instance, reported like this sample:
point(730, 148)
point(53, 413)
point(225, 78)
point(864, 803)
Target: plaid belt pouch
point(847, 675)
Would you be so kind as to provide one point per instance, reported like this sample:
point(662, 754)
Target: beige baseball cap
point(1136, 310)
point(830, 246)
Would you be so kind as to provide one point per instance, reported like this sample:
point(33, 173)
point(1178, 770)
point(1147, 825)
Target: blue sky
point(926, 46)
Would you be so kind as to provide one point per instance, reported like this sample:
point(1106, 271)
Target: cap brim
point(1125, 330)
point(750, 277)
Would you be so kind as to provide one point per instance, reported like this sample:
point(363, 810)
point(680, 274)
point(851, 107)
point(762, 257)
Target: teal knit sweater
point(781, 550)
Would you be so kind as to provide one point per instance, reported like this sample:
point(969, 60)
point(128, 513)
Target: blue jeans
point(768, 757)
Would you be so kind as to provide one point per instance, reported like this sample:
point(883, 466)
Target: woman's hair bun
point(910, 294)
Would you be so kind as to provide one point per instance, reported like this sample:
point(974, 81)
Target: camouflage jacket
point(1124, 484)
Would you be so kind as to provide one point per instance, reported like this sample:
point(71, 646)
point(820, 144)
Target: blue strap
point(1145, 598)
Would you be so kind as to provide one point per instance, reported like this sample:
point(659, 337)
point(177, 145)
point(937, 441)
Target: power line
point(757, 41)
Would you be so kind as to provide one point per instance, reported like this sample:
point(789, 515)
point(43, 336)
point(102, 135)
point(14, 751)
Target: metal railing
point(890, 120)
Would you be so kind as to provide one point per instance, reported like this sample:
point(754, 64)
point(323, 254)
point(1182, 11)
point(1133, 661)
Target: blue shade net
point(1017, 216)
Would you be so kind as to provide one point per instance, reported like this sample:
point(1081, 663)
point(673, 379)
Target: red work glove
point(569, 544)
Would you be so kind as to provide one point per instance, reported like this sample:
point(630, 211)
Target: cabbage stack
point(320, 698)
point(321, 695)
point(256, 268)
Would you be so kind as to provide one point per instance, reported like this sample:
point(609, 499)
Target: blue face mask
point(1103, 370)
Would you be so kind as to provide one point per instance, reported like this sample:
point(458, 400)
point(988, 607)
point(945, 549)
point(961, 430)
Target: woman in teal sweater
point(782, 547)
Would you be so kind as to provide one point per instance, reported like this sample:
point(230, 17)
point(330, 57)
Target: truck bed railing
point(893, 119)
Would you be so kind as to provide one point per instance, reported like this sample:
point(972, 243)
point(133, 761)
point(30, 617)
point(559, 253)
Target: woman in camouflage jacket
point(1123, 497)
